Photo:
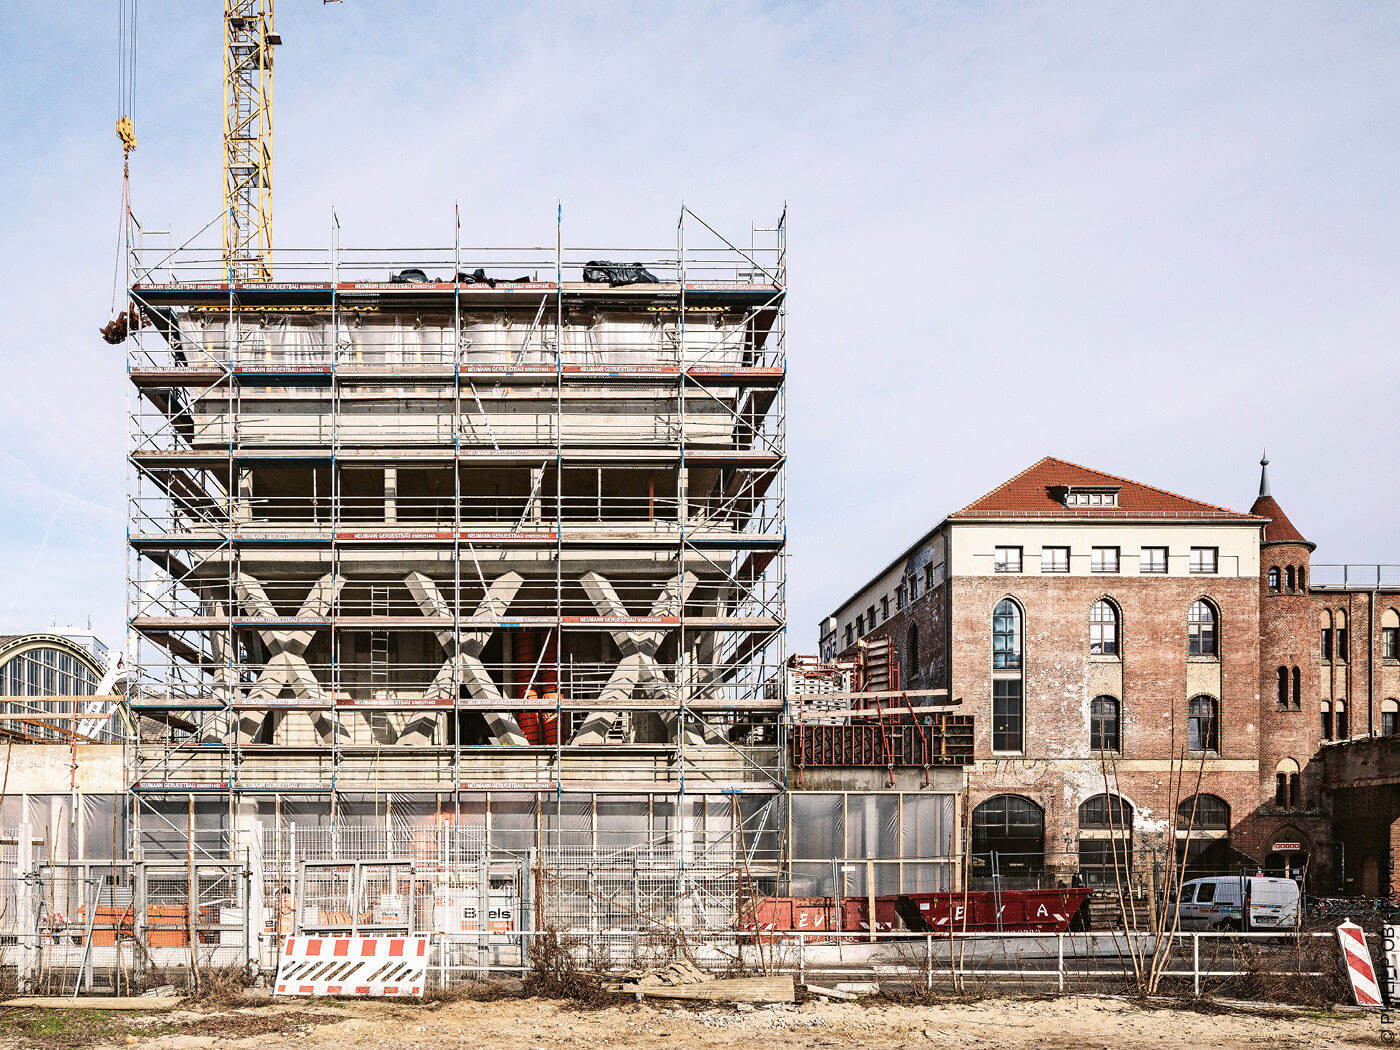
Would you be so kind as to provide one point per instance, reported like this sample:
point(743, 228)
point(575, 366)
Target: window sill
point(1105, 658)
point(1202, 754)
point(1202, 659)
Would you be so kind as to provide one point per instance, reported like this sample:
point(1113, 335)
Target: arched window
point(1008, 837)
point(1008, 694)
point(1286, 785)
point(1105, 840)
point(1103, 724)
point(1006, 635)
point(1339, 636)
point(1390, 635)
point(1390, 718)
point(1103, 629)
point(1273, 579)
point(1297, 690)
point(1203, 835)
point(1339, 716)
point(1326, 720)
point(1283, 687)
point(1201, 634)
point(1204, 813)
point(1302, 579)
point(911, 651)
point(1203, 724)
point(1106, 813)
point(1325, 618)
point(1292, 580)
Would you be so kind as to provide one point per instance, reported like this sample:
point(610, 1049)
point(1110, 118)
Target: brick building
point(1114, 642)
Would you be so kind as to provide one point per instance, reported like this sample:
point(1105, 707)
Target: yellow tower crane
point(248, 43)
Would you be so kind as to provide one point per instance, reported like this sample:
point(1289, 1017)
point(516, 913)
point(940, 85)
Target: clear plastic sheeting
point(907, 841)
point(105, 827)
point(622, 822)
point(872, 826)
point(818, 826)
point(51, 817)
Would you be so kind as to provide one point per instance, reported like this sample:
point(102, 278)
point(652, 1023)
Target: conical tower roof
point(1279, 529)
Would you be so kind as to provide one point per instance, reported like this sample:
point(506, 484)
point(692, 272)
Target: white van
point(1215, 903)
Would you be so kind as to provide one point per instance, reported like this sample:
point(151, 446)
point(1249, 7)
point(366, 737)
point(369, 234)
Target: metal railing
point(1358, 576)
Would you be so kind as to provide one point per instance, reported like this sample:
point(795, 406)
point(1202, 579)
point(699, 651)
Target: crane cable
point(126, 134)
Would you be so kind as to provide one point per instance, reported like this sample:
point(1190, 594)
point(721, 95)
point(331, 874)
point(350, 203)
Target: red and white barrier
point(1364, 987)
point(333, 965)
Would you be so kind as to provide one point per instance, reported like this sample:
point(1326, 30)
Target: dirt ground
point(536, 1024)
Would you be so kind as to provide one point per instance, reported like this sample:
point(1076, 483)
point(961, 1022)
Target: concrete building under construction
point(485, 538)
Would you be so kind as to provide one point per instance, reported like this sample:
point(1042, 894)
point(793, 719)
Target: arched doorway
point(1008, 839)
point(1288, 855)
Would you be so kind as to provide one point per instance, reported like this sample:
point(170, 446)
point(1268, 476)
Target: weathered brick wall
point(929, 612)
point(1368, 833)
point(1288, 638)
point(1153, 680)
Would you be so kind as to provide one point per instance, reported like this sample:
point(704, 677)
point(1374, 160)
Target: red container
point(1011, 911)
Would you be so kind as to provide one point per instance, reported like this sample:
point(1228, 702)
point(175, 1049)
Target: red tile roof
point(1031, 494)
point(1279, 529)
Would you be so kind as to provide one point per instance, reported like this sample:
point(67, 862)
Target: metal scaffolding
point(449, 535)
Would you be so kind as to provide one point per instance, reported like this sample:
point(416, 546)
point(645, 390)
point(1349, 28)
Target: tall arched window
point(1203, 724)
point(1006, 635)
point(1292, 580)
point(1202, 638)
point(1103, 724)
point(1326, 728)
point(1103, 629)
point(1286, 785)
point(911, 651)
point(1302, 579)
point(1273, 579)
point(1008, 837)
point(1105, 840)
point(1283, 687)
point(1008, 689)
point(1390, 718)
point(1325, 619)
point(1339, 717)
point(1297, 690)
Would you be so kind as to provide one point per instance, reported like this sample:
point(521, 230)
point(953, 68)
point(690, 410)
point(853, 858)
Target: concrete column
point(27, 893)
point(536, 485)
point(243, 510)
point(391, 495)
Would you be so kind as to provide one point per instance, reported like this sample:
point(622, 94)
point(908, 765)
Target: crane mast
point(248, 43)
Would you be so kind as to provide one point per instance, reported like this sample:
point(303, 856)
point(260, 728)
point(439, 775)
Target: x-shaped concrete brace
point(463, 664)
point(638, 666)
point(287, 666)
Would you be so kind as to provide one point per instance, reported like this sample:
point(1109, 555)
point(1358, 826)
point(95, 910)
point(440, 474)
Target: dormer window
point(1088, 495)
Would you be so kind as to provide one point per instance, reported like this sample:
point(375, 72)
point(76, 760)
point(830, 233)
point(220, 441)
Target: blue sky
point(1148, 238)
